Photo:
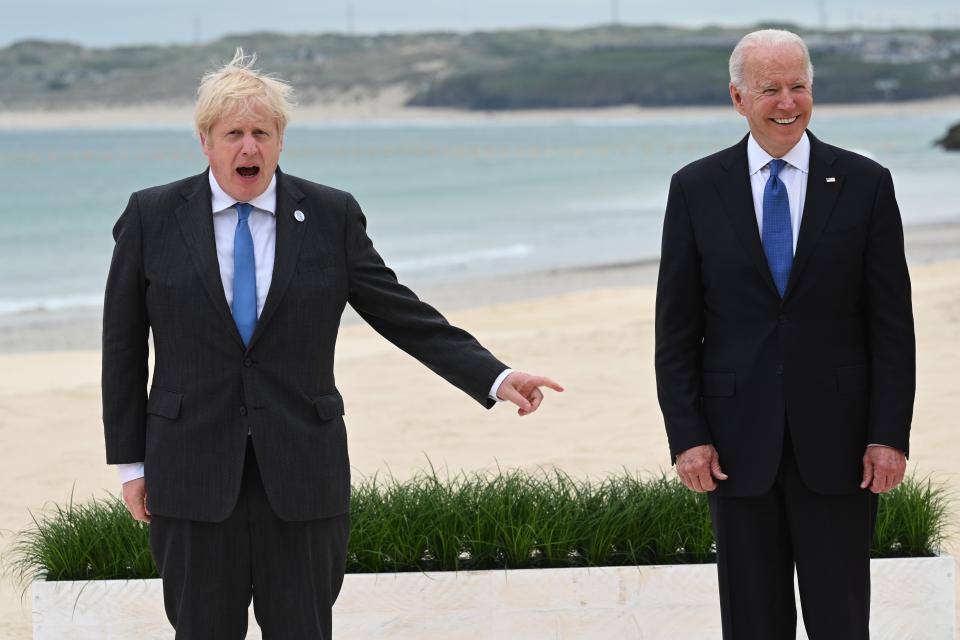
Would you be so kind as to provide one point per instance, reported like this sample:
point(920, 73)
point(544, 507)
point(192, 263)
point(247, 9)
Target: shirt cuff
point(130, 471)
point(497, 383)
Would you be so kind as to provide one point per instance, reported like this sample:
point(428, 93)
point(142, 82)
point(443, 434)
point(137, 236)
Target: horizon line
point(708, 26)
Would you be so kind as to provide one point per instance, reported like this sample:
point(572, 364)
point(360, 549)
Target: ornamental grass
point(502, 520)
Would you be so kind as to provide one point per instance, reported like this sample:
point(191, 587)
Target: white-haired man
point(785, 353)
point(238, 457)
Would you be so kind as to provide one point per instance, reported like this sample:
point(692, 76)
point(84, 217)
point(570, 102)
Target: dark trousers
point(293, 571)
point(761, 539)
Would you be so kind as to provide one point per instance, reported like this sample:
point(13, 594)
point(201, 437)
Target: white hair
point(768, 38)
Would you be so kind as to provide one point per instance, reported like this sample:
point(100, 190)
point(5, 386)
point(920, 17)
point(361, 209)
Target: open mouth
point(248, 172)
point(785, 121)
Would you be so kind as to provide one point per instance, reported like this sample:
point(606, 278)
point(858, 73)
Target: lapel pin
point(828, 180)
point(298, 215)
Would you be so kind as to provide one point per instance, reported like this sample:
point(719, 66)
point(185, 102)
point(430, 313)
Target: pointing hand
point(523, 390)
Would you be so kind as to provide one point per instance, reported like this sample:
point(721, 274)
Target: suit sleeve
point(889, 319)
point(397, 314)
point(125, 352)
point(679, 328)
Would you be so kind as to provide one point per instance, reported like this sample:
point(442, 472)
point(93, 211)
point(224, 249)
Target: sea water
point(443, 199)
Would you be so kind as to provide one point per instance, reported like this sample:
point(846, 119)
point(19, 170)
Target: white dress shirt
point(793, 175)
point(263, 228)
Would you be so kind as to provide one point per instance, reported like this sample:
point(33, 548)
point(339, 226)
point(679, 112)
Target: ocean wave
point(12, 306)
point(430, 263)
point(26, 305)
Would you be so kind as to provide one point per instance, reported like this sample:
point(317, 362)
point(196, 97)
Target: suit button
point(248, 362)
point(779, 369)
point(782, 319)
point(243, 410)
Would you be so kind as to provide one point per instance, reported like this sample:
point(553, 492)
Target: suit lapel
point(737, 198)
point(290, 234)
point(196, 224)
point(818, 204)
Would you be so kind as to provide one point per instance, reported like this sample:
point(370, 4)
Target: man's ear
point(203, 144)
point(737, 98)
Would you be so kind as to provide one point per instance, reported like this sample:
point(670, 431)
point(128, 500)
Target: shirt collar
point(266, 201)
point(798, 157)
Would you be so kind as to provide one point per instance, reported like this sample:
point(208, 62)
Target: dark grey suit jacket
point(208, 391)
point(834, 359)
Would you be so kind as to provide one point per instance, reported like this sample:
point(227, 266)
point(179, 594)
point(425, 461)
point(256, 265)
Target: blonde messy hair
point(237, 88)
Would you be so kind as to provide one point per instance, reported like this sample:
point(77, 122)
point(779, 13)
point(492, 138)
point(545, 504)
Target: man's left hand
point(523, 390)
point(883, 468)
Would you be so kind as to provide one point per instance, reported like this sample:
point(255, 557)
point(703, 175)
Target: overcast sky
point(112, 22)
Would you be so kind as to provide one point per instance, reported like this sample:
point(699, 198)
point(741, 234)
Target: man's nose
point(786, 99)
point(249, 145)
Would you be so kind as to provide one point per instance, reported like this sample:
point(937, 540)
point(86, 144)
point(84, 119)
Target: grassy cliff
point(602, 66)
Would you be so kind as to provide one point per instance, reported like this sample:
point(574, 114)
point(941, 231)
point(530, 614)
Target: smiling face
point(777, 98)
point(243, 148)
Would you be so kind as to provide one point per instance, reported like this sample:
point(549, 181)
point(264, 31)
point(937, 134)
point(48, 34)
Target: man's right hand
point(699, 467)
point(135, 497)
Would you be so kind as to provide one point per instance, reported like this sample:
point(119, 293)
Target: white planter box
point(912, 598)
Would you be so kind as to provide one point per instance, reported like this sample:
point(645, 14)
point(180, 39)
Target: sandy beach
point(389, 107)
point(591, 329)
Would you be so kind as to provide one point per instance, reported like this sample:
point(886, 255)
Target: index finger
point(706, 479)
point(880, 483)
point(139, 513)
point(543, 381)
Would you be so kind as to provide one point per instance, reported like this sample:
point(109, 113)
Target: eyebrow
point(773, 85)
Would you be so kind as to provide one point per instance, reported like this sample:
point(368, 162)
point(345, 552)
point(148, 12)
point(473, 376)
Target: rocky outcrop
point(951, 141)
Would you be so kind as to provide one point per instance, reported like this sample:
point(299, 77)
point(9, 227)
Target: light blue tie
point(777, 232)
point(244, 275)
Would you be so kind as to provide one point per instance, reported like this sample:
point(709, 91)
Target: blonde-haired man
point(238, 456)
point(785, 353)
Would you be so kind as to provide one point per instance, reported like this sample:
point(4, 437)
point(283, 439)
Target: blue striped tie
point(244, 276)
point(777, 233)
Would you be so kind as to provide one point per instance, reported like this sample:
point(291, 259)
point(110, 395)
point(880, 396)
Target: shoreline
point(389, 109)
point(78, 328)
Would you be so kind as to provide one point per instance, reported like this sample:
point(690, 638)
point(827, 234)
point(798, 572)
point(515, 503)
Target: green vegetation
point(97, 540)
point(518, 520)
point(912, 520)
point(476, 521)
point(534, 68)
point(600, 78)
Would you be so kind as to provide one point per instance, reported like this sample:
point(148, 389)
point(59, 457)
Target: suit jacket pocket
point(852, 379)
point(164, 403)
point(719, 384)
point(329, 406)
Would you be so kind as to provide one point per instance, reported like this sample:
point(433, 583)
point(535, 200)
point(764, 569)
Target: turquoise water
point(443, 200)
